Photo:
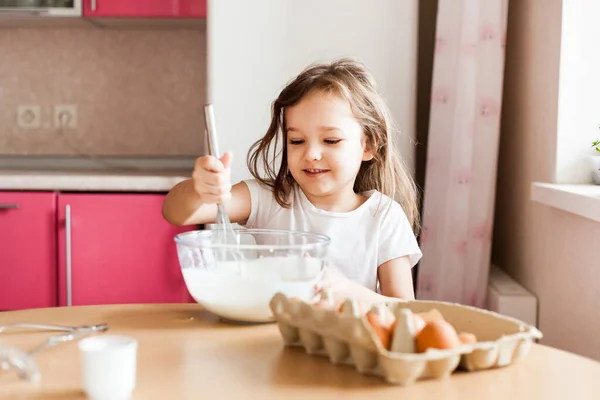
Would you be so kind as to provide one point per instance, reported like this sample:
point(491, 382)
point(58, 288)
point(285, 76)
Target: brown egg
point(382, 320)
point(467, 337)
point(430, 315)
point(438, 334)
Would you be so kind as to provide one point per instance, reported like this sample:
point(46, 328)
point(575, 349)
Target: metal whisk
point(225, 233)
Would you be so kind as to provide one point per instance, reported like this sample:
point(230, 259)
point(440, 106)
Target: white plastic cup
point(109, 364)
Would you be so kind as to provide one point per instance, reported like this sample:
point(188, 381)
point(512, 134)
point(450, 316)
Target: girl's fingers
point(322, 284)
point(209, 163)
point(226, 159)
point(214, 178)
point(316, 290)
point(204, 188)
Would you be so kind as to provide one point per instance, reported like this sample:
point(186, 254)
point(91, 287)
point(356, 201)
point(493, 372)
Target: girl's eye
point(296, 141)
point(332, 141)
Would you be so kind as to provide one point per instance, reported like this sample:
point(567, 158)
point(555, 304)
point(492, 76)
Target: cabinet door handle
point(8, 206)
point(93, 5)
point(68, 254)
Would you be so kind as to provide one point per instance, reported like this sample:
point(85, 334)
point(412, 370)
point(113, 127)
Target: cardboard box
point(347, 337)
point(506, 296)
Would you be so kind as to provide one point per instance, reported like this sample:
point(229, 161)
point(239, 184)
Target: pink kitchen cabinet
point(28, 271)
point(117, 249)
point(145, 8)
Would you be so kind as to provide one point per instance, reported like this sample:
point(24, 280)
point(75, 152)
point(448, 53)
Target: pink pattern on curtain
point(464, 131)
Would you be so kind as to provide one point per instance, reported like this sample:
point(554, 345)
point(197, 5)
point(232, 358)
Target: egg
point(430, 315)
point(437, 334)
point(382, 320)
point(467, 337)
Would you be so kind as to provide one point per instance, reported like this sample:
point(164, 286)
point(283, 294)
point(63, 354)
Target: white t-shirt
point(361, 240)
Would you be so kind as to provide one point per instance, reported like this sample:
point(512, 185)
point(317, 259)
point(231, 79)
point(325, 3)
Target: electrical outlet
point(65, 116)
point(29, 116)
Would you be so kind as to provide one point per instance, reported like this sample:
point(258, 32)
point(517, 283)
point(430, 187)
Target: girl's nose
point(313, 153)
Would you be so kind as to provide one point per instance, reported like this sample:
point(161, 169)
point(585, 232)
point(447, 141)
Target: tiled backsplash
point(137, 92)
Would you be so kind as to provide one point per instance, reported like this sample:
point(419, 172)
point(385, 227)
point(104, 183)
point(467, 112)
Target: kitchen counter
point(118, 181)
point(187, 353)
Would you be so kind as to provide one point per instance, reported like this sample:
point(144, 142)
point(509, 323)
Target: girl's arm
point(183, 206)
point(395, 279)
point(194, 201)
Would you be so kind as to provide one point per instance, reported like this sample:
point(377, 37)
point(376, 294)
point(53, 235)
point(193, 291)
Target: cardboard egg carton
point(346, 337)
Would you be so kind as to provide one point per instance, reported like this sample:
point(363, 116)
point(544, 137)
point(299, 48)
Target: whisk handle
point(209, 119)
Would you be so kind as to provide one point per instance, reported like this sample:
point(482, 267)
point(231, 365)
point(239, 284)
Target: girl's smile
point(315, 173)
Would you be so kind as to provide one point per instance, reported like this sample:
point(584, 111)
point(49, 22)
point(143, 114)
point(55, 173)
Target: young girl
point(338, 175)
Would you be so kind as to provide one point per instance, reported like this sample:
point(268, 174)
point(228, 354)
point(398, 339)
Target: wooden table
point(187, 353)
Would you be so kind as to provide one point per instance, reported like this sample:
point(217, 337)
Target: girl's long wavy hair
point(351, 81)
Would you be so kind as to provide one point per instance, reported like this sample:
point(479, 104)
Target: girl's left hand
point(340, 286)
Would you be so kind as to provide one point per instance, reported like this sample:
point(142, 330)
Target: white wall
point(246, 70)
point(579, 90)
point(255, 47)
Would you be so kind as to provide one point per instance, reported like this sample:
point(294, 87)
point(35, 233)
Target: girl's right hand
point(212, 178)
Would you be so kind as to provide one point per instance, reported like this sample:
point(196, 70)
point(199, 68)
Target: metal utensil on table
point(47, 327)
point(14, 359)
point(225, 233)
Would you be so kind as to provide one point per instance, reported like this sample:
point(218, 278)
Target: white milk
point(242, 290)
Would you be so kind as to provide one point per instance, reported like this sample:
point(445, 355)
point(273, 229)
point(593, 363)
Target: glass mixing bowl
point(237, 282)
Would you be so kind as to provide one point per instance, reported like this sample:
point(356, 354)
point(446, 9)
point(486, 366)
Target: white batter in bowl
point(274, 261)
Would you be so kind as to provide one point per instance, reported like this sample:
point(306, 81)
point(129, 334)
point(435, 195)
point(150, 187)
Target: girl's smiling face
point(325, 147)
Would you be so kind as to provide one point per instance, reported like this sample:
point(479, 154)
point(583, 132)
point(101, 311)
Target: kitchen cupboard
point(116, 249)
point(145, 8)
point(27, 250)
point(87, 248)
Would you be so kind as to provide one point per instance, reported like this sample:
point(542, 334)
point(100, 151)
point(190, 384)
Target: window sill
point(579, 199)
